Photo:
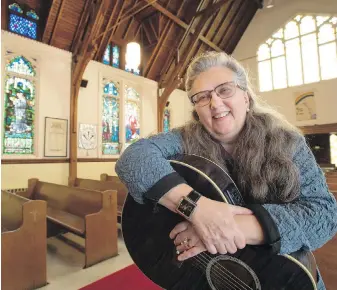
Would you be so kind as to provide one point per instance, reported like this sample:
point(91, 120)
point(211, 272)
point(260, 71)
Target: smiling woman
point(286, 199)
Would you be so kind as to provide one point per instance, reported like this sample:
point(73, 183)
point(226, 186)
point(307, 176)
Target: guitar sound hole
point(228, 273)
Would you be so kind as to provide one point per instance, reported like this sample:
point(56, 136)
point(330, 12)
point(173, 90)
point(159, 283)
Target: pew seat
point(90, 214)
point(68, 220)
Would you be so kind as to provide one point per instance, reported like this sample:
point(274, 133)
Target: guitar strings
point(222, 278)
point(216, 278)
point(234, 279)
point(234, 276)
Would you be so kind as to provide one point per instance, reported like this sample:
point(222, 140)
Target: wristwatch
point(188, 204)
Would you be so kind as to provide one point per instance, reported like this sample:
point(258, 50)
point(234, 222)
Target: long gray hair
point(265, 146)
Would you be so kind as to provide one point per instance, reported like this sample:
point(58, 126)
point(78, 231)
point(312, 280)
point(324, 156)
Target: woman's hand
point(187, 241)
point(215, 225)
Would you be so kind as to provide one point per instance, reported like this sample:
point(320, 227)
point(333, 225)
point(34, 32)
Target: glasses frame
point(214, 90)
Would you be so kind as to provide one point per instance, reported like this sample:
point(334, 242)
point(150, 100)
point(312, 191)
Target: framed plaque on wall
point(55, 137)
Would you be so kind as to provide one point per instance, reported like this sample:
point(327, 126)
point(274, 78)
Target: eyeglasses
point(223, 91)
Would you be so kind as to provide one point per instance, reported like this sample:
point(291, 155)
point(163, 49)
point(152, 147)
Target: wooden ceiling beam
point(153, 29)
point(163, 37)
point(83, 51)
point(147, 33)
point(214, 25)
point(237, 16)
point(215, 7)
point(125, 34)
point(183, 24)
point(175, 77)
point(103, 43)
point(175, 50)
point(137, 30)
point(51, 39)
point(250, 11)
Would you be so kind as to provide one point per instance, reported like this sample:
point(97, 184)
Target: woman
point(291, 208)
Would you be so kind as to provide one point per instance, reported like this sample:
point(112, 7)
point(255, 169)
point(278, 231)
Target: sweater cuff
point(163, 186)
point(270, 230)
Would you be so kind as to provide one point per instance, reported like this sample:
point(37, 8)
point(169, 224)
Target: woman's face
point(222, 118)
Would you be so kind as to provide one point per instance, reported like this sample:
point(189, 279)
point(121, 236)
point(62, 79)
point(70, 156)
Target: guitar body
point(146, 235)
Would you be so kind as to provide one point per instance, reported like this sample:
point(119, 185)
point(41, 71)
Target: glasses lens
point(225, 90)
point(201, 99)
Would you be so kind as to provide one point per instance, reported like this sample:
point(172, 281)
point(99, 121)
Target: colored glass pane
point(132, 115)
point(20, 65)
point(23, 26)
point(110, 126)
point(19, 116)
point(106, 57)
point(166, 120)
point(115, 56)
point(15, 7)
point(32, 14)
point(111, 89)
point(131, 93)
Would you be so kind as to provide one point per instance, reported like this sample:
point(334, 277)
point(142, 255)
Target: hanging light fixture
point(132, 56)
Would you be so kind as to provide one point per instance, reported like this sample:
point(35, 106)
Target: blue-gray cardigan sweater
point(307, 223)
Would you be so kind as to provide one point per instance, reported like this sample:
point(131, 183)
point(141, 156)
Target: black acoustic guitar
point(146, 235)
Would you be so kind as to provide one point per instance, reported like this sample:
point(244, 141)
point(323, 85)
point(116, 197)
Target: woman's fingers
point(191, 253)
point(178, 229)
point(240, 240)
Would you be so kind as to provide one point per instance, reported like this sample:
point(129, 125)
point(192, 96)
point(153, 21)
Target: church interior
point(82, 80)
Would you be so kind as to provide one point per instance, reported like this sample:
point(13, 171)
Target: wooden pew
point(107, 183)
point(23, 242)
point(88, 213)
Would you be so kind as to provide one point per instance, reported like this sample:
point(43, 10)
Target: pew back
point(122, 191)
point(102, 185)
point(11, 210)
point(77, 201)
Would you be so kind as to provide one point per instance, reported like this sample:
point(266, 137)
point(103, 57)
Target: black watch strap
point(194, 196)
point(188, 204)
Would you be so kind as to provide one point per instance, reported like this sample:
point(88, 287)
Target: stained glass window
point(167, 120)
point(21, 24)
point(132, 115)
point(112, 55)
point(115, 56)
point(110, 118)
point(302, 52)
point(106, 56)
point(19, 107)
point(15, 7)
point(32, 14)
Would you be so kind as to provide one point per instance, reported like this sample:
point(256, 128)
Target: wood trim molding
point(319, 129)
point(97, 159)
point(54, 160)
point(34, 161)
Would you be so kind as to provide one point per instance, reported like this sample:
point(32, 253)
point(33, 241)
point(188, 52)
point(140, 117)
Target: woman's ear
point(247, 99)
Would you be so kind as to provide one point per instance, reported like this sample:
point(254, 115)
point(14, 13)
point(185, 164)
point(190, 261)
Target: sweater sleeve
point(310, 221)
point(144, 166)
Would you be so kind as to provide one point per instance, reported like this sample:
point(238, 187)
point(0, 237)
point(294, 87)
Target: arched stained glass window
point(110, 117)
point(303, 51)
point(132, 115)
point(112, 55)
point(22, 23)
point(19, 105)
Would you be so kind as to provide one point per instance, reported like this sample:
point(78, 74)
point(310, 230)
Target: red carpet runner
point(129, 278)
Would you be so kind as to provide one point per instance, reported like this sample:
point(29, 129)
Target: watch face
point(186, 207)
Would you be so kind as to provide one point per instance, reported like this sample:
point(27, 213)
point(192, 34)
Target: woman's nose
point(216, 101)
